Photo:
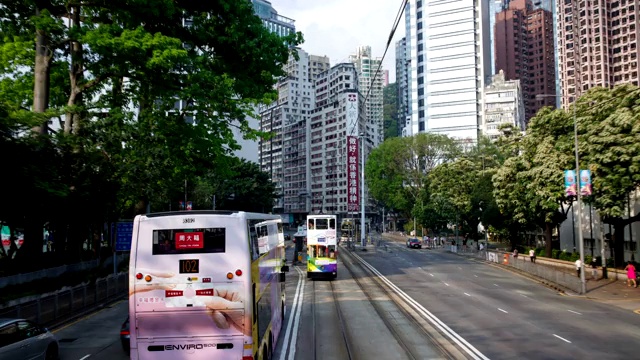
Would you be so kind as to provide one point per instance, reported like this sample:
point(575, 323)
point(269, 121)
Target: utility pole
point(362, 203)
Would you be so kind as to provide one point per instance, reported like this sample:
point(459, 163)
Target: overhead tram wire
point(393, 31)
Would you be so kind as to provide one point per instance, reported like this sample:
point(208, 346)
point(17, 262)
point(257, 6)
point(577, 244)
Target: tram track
point(383, 315)
point(345, 336)
point(339, 314)
point(367, 282)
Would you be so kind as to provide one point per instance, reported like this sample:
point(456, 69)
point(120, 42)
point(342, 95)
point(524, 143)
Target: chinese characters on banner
point(352, 174)
point(189, 240)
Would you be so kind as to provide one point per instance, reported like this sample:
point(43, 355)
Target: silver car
point(23, 339)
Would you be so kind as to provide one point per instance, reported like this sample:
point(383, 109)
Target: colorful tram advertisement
point(206, 285)
point(321, 246)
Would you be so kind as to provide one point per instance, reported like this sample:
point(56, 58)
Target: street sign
point(124, 232)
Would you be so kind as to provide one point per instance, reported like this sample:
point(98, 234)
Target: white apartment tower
point(503, 104)
point(285, 156)
point(370, 85)
point(339, 114)
point(450, 59)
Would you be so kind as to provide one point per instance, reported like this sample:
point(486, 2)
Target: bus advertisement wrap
point(205, 285)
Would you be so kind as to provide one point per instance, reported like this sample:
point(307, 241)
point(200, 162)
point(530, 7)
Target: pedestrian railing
point(63, 305)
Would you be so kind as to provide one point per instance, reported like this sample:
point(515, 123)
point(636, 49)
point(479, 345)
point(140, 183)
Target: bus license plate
point(189, 266)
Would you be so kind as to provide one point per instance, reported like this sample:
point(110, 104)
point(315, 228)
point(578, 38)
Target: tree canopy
point(146, 94)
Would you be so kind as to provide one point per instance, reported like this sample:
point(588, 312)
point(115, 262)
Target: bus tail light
point(238, 272)
point(147, 278)
point(229, 276)
point(247, 358)
point(139, 276)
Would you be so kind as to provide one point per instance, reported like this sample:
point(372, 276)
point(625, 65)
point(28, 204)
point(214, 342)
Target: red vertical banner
point(352, 174)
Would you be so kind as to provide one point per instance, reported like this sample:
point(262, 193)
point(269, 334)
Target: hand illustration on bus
point(225, 299)
point(223, 305)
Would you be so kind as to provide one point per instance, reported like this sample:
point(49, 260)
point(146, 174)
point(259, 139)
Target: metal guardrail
point(59, 270)
point(50, 310)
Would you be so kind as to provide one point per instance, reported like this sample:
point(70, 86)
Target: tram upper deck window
point(322, 224)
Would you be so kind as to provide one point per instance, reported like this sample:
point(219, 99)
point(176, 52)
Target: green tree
point(112, 71)
point(610, 146)
point(240, 186)
point(396, 172)
point(454, 183)
point(530, 185)
point(390, 109)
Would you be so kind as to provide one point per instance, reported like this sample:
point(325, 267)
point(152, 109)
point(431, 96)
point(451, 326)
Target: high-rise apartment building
point(370, 83)
point(598, 45)
point(448, 44)
point(339, 117)
point(317, 65)
point(524, 50)
point(502, 105)
point(285, 156)
point(403, 66)
point(276, 23)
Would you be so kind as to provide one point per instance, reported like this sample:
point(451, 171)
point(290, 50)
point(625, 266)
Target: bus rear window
point(189, 241)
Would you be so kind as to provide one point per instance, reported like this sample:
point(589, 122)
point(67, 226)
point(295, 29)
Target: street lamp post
point(362, 202)
point(583, 285)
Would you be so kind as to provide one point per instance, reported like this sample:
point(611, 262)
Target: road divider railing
point(59, 307)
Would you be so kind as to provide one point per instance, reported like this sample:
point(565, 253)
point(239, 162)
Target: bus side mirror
point(285, 268)
point(282, 277)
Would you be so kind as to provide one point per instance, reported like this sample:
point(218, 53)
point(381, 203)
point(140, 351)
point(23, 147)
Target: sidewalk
point(607, 291)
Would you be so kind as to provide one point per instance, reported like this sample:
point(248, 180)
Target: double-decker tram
point(321, 246)
point(206, 285)
point(350, 229)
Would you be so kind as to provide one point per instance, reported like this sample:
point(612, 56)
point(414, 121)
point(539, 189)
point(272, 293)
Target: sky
point(336, 28)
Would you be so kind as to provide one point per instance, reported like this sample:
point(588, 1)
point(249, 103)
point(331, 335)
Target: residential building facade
point(371, 83)
point(285, 155)
point(273, 21)
point(249, 148)
point(524, 50)
point(598, 45)
point(503, 105)
point(339, 116)
point(403, 66)
point(450, 61)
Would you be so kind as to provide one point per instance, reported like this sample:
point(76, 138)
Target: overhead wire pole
point(363, 134)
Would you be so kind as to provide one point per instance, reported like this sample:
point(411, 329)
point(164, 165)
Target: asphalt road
point(94, 337)
point(504, 315)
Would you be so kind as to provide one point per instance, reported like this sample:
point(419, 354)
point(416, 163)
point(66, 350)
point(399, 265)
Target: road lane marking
point(294, 338)
point(524, 295)
point(294, 307)
point(439, 324)
point(496, 285)
point(561, 338)
point(575, 312)
point(445, 283)
point(84, 357)
point(431, 274)
point(467, 294)
point(475, 275)
point(503, 311)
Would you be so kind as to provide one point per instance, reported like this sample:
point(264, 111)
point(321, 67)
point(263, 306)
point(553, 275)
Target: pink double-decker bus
point(206, 285)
